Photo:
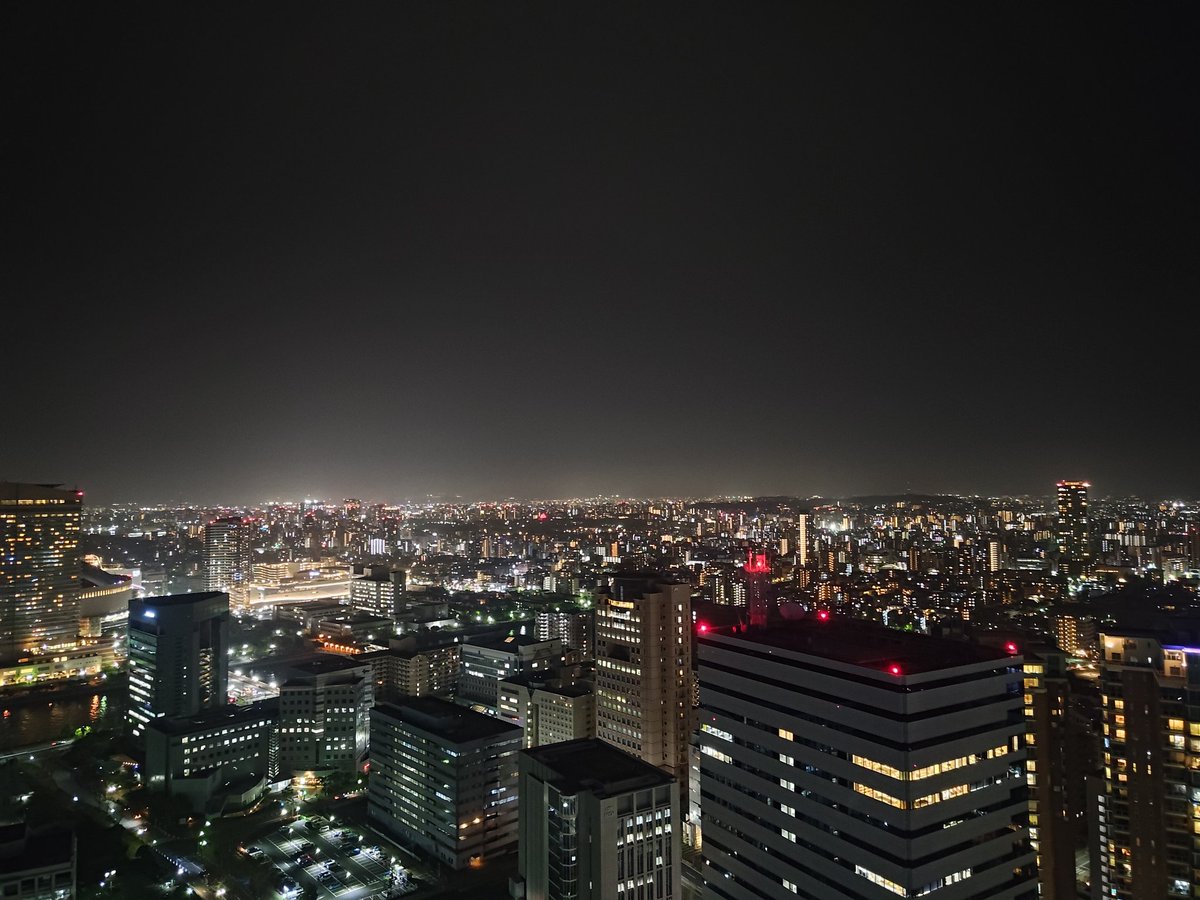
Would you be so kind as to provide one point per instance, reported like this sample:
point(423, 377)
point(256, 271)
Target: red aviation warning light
point(895, 669)
point(757, 563)
point(702, 627)
point(1011, 648)
point(823, 615)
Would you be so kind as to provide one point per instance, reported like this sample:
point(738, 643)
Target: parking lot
point(331, 861)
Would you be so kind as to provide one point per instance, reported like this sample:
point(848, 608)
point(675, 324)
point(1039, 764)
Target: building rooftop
point(13, 491)
point(324, 664)
point(215, 717)
point(506, 642)
point(23, 849)
point(864, 644)
point(97, 577)
point(591, 765)
point(447, 721)
point(183, 599)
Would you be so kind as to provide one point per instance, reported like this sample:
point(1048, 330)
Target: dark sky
point(263, 250)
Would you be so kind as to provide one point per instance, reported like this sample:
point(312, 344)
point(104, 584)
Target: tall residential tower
point(644, 669)
point(1074, 528)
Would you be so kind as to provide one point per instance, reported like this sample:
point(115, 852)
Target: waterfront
point(26, 720)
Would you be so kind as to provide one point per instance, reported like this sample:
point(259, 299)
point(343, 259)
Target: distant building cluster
point(954, 697)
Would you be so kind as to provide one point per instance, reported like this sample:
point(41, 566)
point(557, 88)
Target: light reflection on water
point(37, 721)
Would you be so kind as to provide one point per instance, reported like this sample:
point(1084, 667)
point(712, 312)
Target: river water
point(26, 720)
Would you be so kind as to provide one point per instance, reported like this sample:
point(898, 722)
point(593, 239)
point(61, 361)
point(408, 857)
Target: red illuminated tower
point(757, 571)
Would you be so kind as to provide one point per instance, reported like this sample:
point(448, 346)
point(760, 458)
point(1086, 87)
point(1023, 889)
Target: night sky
point(265, 250)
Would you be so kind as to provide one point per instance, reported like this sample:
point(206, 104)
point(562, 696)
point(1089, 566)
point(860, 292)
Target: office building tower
point(644, 669)
point(324, 709)
point(846, 760)
point(178, 656)
point(802, 540)
point(486, 661)
point(218, 760)
point(444, 779)
point(1074, 529)
point(1149, 813)
point(39, 569)
point(597, 824)
point(379, 590)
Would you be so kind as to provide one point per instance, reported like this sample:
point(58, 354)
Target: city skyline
point(600, 452)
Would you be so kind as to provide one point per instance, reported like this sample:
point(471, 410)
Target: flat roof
point(591, 765)
point(213, 718)
point(13, 491)
point(182, 599)
point(326, 663)
point(23, 849)
point(448, 721)
point(506, 642)
point(866, 644)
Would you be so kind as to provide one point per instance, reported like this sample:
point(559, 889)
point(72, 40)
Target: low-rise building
point(217, 759)
point(486, 661)
point(548, 712)
point(407, 672)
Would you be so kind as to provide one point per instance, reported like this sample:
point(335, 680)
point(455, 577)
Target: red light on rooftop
point(823, 615)
point(895, 669)
point(702, 628)
point(757, 563)
point(1010, 647)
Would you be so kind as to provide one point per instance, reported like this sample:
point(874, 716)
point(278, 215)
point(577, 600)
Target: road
point(38, 749)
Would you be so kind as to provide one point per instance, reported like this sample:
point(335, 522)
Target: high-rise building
point(574, 627)
point(324, 709)
point(227, 565)
point(178, 656)
point(845, 760)
point(39, 568)
point(802, 540)
point(379, 590)
point(1149, 813)
point(444, 778)
point(597, 824)
point(1074, 528)
point(755, 575)
point(644, 669)
point(1059, 763)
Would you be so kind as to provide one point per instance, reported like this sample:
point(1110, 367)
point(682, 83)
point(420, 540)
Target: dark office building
point(178, 656)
